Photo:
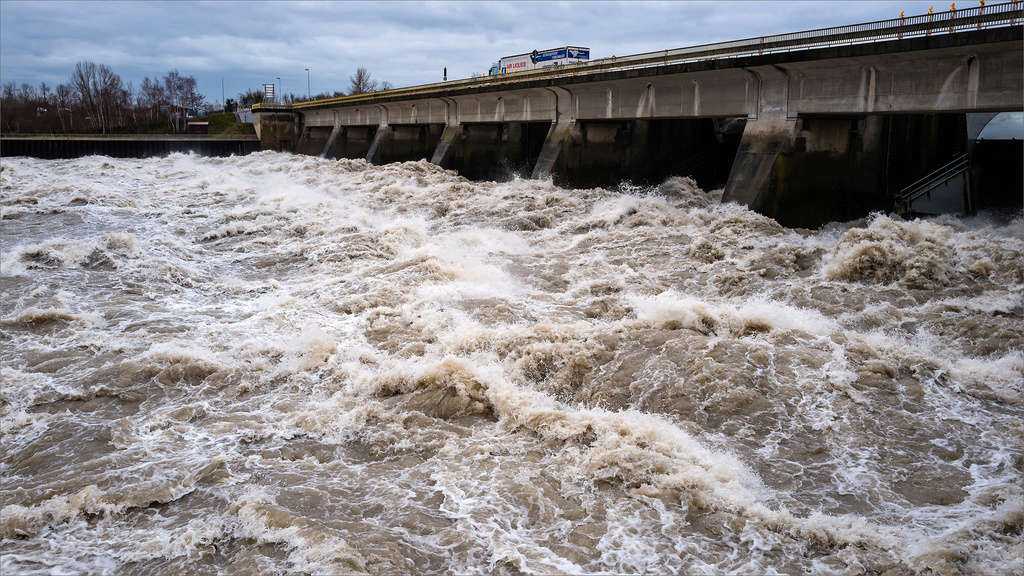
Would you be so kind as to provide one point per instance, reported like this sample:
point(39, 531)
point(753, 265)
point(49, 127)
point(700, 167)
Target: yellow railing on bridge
point(948, 22)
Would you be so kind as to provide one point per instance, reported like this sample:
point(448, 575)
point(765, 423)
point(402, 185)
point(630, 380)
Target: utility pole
point(222, 101)
point(308, 95)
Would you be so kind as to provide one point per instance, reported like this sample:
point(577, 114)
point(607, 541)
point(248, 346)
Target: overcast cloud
point(249, 43)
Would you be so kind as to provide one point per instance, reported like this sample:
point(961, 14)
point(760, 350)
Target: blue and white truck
point(540, 59)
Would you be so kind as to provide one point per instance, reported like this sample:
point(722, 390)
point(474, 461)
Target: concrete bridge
point(804, 127)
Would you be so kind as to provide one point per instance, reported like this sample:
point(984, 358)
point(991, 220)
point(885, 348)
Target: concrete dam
point(806, 127)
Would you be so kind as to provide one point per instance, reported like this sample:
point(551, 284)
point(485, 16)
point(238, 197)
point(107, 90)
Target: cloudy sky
point(249, 43)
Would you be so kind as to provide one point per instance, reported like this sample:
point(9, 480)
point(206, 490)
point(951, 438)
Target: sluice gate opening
point(646, 152)
point(497, 151)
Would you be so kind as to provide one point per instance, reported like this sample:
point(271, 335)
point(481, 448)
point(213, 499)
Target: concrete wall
point(976, 79)
point(122, 147)
point(278, 130)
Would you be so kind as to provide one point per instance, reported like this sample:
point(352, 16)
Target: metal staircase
point(944, 190)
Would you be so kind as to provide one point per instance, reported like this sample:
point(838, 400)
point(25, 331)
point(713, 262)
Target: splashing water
point(281, 363)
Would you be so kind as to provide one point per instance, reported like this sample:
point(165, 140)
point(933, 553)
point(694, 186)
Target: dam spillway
point(802, 127)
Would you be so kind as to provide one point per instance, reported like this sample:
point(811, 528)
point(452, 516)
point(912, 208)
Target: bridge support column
point(562, 129)
point(754, 177)
point(444, 146)
point(335, 132)
point(770, 132)
point(383, 134)
point(558, 135)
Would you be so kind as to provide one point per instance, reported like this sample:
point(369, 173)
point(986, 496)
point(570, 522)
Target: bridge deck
point(1005, 14)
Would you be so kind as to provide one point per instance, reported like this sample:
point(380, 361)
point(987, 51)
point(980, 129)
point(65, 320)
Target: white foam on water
point(291, 364)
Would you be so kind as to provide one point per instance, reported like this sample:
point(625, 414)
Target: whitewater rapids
point(278, 363)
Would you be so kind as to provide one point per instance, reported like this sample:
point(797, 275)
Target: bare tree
point(100, 100)
point(83, 80)
point(250, 97)
point(111, 95)
point(172, 89)
point(28, 94)
point(362, 82)
point(190, 97)
point(151, 98)
point(64, 95)
point(11, 110)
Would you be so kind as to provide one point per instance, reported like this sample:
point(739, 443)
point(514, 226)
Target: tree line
point(96, 99)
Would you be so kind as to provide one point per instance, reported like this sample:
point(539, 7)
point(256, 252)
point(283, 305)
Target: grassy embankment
point(225, 124)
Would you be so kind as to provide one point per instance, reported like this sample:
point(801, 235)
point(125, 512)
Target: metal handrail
point(934, 178)
point(948, 22)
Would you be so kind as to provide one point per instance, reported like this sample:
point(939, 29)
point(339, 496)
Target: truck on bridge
point(540, 59)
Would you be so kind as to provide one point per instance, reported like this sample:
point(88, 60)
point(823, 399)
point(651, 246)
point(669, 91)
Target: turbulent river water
point(278, 363)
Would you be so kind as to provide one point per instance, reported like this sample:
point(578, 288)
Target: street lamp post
point(308, 94)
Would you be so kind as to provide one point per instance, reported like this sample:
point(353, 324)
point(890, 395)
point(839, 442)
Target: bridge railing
point(948, 22)
point(978, 17)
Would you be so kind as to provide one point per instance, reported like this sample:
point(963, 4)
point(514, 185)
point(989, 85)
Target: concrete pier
point(450, 134)
point(559, 137)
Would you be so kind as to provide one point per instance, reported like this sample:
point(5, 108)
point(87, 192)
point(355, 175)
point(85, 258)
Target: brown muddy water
point(277, 363)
